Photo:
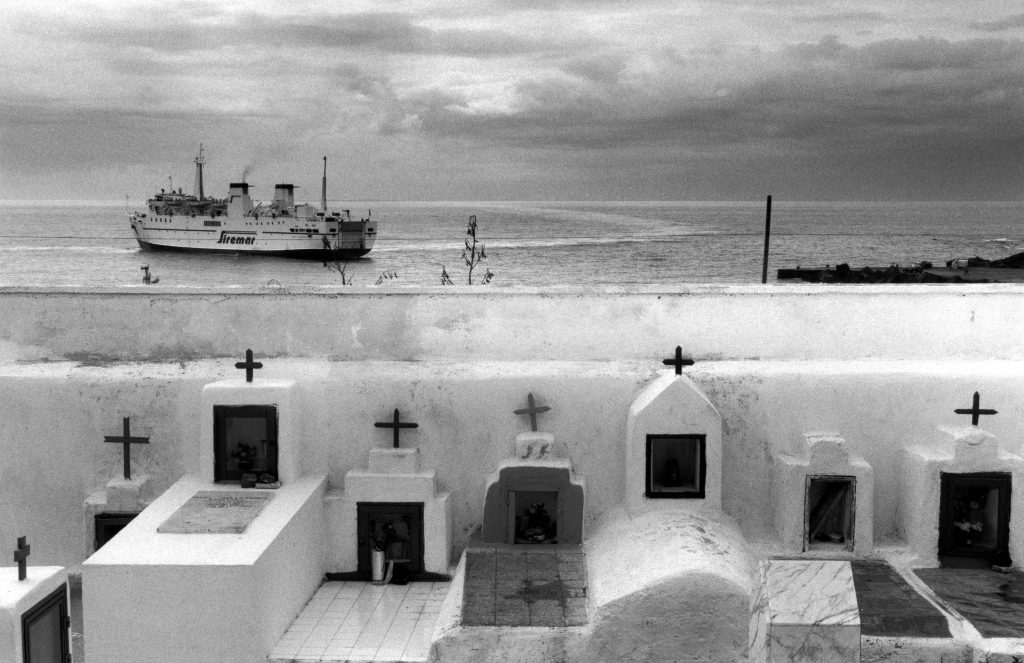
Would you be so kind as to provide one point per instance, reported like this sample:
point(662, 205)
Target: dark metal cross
point(21, 556)
point(975, 411)
point(397, 425)
point(248, 365)
point(678, 361)
point(533, 411)
point(127, 440)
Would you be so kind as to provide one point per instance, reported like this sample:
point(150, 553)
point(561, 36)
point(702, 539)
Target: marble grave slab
point(216, 512)
point(805, 611)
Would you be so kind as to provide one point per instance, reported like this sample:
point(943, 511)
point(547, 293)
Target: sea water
point(537, 244)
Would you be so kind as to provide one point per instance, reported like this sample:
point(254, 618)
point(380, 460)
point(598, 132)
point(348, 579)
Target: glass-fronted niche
point(245, 442)
point(676, 466)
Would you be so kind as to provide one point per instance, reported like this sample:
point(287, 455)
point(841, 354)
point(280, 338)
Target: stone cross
point(21, 556)
point(678, 361)
point(127, 440)
point(248, 365)
point(396, 425)
point(533, 411)
point(975, 410)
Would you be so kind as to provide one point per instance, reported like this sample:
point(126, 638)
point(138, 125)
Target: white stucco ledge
point(140, 544)
point(668, 586)
point(103, 325)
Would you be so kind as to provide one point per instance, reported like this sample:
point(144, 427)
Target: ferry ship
point(176, 221)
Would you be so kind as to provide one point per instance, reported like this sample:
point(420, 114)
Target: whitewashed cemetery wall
point(884, 366)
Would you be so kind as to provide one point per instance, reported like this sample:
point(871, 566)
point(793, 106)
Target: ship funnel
point(239, 202)
point(284, 195)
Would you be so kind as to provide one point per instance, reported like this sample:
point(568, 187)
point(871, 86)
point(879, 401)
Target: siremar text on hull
point(176, 221)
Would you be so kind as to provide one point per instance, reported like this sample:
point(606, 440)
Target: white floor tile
point(362, 622)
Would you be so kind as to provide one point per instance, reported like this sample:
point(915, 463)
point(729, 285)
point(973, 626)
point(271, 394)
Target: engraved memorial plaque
point(216, 512)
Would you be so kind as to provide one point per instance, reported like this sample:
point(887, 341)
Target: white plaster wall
point(204, 632)
point(290, 570)
point(464, 323)
point(56, 414)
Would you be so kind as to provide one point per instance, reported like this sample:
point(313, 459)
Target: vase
point(377, 567)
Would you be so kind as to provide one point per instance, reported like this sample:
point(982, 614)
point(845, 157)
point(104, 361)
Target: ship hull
point(301, 254)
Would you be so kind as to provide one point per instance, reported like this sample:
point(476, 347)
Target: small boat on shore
point(176, 221)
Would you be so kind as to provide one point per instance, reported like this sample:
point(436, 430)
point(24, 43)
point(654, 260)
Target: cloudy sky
point(517, 99)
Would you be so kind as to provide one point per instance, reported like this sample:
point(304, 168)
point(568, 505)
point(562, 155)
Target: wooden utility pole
point(767, 234)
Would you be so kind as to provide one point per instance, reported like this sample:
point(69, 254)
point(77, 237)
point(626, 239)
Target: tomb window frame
point(651, 487)
point(222, 473)
point(57, 599)
point(946, 546)
point(850, 501)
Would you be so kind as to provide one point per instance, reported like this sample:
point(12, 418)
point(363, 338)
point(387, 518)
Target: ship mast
point(323, 188)
point(197, 189)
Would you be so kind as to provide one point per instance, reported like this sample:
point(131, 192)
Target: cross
point(396, 425)
point(533, 411)
point(975, 410)
point(21, 555)
point(127, 440)
point(678, 361)
point(248, 365)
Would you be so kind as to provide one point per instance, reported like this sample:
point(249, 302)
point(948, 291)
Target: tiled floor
point(358, 621)
point(992, 602)
point(891, 607)
point(528, 586)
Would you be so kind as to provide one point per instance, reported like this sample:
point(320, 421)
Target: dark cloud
point(174, 32)
point(587, 105)
point(934, 105)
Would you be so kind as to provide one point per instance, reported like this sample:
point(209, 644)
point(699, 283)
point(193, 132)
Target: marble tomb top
point(216, 512)
point(812, 592)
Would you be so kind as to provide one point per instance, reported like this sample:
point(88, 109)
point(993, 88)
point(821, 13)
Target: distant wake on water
point(528, 244)
point(58, 249)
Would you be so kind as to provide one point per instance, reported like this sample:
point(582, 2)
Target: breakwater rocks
point(960, 270)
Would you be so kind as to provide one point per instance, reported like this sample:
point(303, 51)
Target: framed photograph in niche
point(676, 466)
point(244, 441)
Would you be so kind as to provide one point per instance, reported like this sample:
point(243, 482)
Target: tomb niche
point(534, 497)
point(674, 449)
point(958, 498)
point(252, 432)
point(823, 497)
point(108, 511)
point(390, 523)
